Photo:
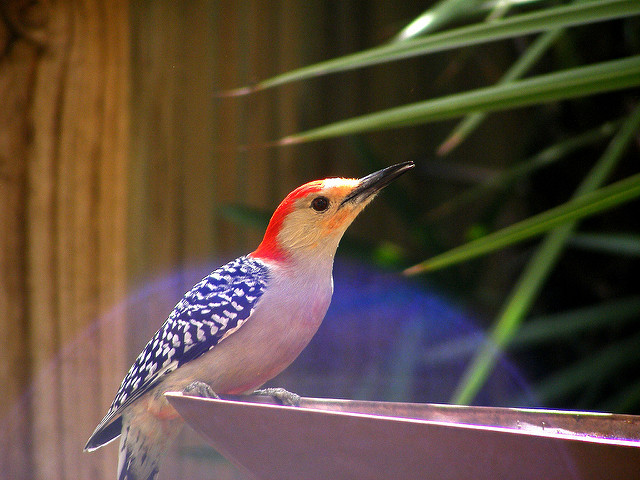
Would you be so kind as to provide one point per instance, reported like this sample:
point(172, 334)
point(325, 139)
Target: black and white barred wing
point(217, 305)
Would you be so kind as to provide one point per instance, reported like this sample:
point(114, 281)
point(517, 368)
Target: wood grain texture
point(64, 75)
point(93, 205)
point(15, 460)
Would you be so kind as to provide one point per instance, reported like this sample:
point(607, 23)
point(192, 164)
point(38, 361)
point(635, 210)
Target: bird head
point(311, 220)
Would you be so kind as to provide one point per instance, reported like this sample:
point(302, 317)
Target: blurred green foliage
point(572, 301)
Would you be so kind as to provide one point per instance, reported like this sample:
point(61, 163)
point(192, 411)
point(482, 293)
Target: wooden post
point(15, 66)
point(64, 145)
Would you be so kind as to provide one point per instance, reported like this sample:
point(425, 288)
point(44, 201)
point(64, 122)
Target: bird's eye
point(320, 204)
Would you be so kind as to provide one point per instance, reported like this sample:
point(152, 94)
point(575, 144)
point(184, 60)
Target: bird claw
point(199, 389)
point(283, 396)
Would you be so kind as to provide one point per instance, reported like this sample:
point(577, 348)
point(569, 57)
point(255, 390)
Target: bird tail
point(143, 444)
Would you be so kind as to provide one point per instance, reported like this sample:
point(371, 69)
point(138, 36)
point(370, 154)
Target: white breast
point(284, 321)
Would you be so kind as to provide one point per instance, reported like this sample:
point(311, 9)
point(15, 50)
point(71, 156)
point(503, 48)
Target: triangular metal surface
point(342, 439)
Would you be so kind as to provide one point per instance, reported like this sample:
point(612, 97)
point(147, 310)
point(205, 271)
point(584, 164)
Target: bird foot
point(199, 389)
point(281, 395)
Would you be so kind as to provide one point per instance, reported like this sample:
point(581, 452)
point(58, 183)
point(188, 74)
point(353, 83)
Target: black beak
point(376, 181)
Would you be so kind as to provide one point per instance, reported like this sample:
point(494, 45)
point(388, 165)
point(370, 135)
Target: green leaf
point(524, 63)
point(583, 206)
point(543, 159)
point(246, 216)
point(609, 243)
point(518, 25)
point(538, 268)
point(625, 400)
point(566, 325)
point(575, 82)
point(598, 365)
point(550, 328)
point(440, 14)
point(517, 70)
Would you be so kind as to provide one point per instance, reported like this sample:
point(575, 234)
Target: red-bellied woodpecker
point(242, 324)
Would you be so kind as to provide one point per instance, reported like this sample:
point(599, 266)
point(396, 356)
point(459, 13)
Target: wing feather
point(215, 307)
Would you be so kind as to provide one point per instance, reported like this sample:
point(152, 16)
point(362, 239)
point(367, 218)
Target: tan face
point(319, 218)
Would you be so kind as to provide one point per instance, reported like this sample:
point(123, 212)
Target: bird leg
point(281, 395)
point(200, 389)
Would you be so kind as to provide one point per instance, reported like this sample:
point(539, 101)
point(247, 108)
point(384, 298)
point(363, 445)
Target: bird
point(242, 324)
